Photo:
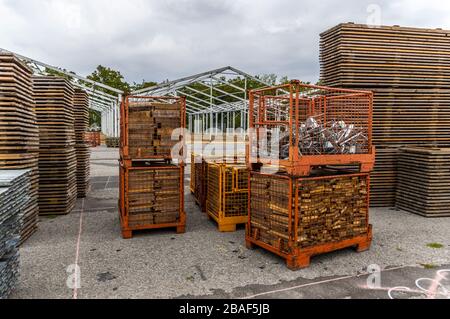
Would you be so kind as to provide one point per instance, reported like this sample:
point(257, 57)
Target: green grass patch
point(428, 266)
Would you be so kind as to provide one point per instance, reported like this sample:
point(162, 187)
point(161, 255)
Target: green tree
point(139, 86)
point(111, 78)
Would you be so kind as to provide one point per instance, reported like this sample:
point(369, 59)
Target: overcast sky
point(167, 39)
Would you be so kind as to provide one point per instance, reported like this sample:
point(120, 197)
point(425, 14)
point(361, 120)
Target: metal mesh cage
point(288, 213)
point(147, 124)
point(152, 196)
point(295, 122)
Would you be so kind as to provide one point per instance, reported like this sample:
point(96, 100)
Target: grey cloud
point(159, 40)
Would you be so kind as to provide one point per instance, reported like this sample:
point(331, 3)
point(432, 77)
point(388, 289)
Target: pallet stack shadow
point(15, 186)
point(57, 156)
point(424, 181)
point(298, 206)
point(81, 108)
point(19, 137)
point(408, 71)
point(151, 186)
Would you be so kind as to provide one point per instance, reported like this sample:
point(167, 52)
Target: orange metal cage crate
point(155, 152)
point(277, 219)
point(156, 196)
point(298, 126)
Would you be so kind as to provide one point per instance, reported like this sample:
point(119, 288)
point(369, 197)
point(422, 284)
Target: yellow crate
point(227, 196)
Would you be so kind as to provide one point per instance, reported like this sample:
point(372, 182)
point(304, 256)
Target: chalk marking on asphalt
point(318, 283)
point(94, 210)
point(77, 254)
point(107, 182)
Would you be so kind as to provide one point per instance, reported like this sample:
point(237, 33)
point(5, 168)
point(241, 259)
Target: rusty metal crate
point(296, 127)
point(151, 197)
point(227, 195)
point(297, 218)
point(147, 126)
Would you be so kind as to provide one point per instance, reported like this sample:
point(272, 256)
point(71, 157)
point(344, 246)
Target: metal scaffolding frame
point(219, 106)
point(107, 104)
point(214, 104)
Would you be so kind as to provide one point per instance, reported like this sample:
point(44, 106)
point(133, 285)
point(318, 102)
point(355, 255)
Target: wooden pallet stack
point(298, 206)
point(408, 71)
point(19, 136)
point(112, 142)
point(15, 193)
point(93, 139)
point(424, 181)
point(151, 186)
point(81, 109)
point(57, 156)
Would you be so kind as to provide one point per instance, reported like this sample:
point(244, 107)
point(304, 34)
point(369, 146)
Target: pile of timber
point(57, 157)
point(424, 181)
point(150, 127)
point(408, 71)
point(112, 142)
point(81, 109)
point(327, 210)
point(15, 193)
point(19, 135)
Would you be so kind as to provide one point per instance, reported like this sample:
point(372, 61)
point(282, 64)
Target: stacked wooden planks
point(15, 193)
point(408, 70)
point(57, 156)
point(112, 142)
point(330, 209)
point(150, 128)
point(424, 181)
point(81, 109)
point(19, 135)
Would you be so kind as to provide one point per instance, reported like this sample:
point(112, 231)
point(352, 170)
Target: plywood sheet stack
point(19, 135)
point(15, 193)
point(81, 109)
point(408, 69)
point(424, 181)
point(57, 157)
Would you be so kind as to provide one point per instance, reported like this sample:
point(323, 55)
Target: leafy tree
point(111, 78)
point(143, 85)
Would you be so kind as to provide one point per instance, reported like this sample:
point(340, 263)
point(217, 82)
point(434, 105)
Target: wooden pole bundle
point(408, 70)
point(81, 109)
point(19, 135)
point(57, 157)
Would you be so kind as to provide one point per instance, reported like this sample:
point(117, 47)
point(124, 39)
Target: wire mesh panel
point(147, 126)
point(299, 125)
point(152, 197)
point(227, 194)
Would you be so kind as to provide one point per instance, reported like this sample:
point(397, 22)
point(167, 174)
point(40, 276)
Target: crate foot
point(127, 234)
point(227, 228)
point(298, 262)
point(249, 245)
point(364, 246)
point(181, 229)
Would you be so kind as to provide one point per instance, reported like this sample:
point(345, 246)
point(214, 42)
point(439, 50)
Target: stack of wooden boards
point(57, 157)
point(19, 135)
point(151, 187)
point(15, 193)
point(81, 109)
point(424, 181)
point(408, 71)
point(93, 139)
point(150, 127)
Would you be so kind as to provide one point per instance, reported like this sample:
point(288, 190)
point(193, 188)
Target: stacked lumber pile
point(15, 193)
point(19, 135)
point(150, 127)
point(408, 71)
point(93, 139)
point(154, 196)
point(81, 109)
point(424, 181)
point(330, 209)
point(57, 157)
